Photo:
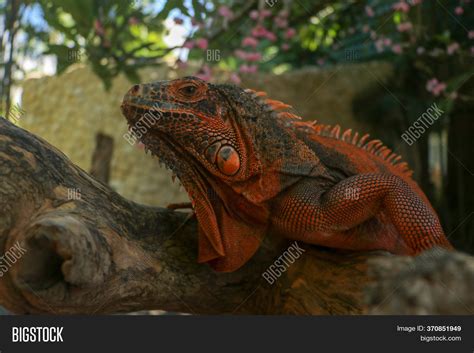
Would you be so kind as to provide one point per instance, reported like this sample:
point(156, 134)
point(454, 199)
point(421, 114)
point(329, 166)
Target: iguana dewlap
point(251, 167)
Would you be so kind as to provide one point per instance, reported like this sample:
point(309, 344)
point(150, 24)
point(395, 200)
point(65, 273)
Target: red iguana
point(250, 166)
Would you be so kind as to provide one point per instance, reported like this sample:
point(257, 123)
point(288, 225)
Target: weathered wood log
point(86, 249)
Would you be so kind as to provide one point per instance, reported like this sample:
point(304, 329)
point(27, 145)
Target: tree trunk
point(102, 157)
point(460, 181)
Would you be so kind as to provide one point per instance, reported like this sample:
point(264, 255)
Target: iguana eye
point(188, 90)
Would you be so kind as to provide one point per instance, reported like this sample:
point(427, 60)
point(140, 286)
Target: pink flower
point(285, 47)
point(365, 29)
point(247, 56)
point(254, 14)
point(405, 27)
point(243, 69)
point(189, 44)
point(259, 31)
point(373, 35)
point(470, 34)
point(281, 22)
point(452, 48)
point(234, 78)
point(459, 10)
point(290, 33)
point(283, 13)
point(379, 45)
point(438, 89)
point(248, 69)
point(397, 48)
point(387, 42)
point(249, 42)
point(225, 12)
point(202, 43)
point(369, 11)
point(254, 56)
point(241, 54)
point(401, 6)
point(271, 36)
point(435, 87)
point(415, 2)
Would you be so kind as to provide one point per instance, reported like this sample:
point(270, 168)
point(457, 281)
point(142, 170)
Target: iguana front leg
point(333, 218)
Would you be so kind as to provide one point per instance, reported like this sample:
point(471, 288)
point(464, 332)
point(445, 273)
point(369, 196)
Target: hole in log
point(41, 268)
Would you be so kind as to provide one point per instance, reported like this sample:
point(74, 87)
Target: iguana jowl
point(250, 167)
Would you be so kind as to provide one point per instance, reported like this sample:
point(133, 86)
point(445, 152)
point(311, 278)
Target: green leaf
point(199, 10)
point(457, 82)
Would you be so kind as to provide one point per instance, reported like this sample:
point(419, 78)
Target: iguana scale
point(251, 166)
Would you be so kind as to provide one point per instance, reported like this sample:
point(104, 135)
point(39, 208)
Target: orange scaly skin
point(250, 167)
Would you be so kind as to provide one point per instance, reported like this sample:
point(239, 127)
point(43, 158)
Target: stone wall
point(69, 110)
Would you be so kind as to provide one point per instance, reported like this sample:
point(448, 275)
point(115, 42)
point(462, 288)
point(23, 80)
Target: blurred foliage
point(115, 36)
point(427, 36)
point(430, 44)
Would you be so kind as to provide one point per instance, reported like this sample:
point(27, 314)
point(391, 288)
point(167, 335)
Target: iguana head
point(226, 149)
point(193, 118)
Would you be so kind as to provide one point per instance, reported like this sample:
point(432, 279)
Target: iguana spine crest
point(375, 146)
